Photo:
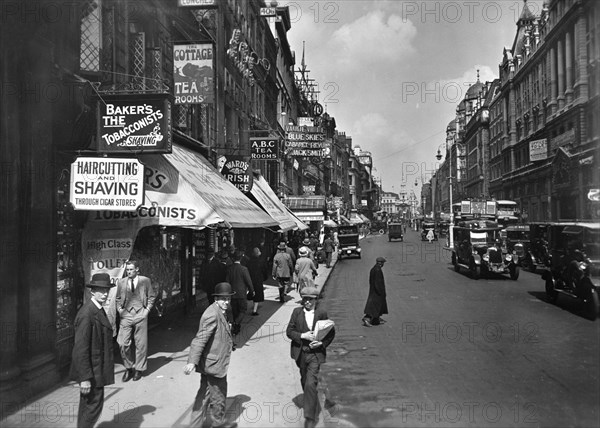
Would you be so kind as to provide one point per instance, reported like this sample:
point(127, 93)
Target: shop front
point(309, 209)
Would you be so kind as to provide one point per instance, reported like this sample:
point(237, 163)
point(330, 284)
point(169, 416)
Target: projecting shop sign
point(306, 141)
point(264, 148)
point(134, 123)
point(107, 184)
point(193, 74)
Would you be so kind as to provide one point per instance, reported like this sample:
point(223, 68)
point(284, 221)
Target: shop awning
point(211, 188)
point(344, 219)
point(299, 223)
point(309, 215)
point(269, 201)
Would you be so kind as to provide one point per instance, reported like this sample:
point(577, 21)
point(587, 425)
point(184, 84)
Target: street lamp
point(451, 226)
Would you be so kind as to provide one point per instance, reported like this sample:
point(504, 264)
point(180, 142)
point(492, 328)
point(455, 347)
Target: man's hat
point(303, 251)
point(306, 241)
point(309, 292)
point(101, 280)
point(282, 246)
point(223, 255)
point(380, 260)
point(223, 289)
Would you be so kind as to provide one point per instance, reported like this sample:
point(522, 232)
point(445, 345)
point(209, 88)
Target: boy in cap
point(92, 362)
point(308, 352)
point(210, 353)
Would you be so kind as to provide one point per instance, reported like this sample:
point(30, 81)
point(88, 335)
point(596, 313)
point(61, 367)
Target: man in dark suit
point(135, 298)
point(92, 362)
point(241, 283)
point(215, 273)
point(210, 353)
point(308, 352)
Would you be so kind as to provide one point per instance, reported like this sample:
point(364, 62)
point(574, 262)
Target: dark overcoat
point(376, 302)
point(92, 357)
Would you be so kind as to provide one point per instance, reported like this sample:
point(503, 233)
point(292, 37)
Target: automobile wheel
point(514, 272)
point(359, 256)
point(455, 263)
point(551, 293)
point(591, 302)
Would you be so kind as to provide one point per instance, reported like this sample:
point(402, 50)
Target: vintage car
point(444, 227)
point(395, 231)
point(428, 231)
point(575, 264)
point(478, 248)
point(348, 241)
point(516, 240)
point(537, 254)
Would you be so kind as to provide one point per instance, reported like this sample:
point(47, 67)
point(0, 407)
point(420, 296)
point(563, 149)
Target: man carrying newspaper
point(311, 332)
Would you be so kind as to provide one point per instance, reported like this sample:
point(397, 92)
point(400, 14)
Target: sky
point(391, 73)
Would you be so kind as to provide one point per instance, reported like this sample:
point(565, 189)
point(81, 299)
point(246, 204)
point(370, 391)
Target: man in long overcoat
point(376, 302)
point(92, 362)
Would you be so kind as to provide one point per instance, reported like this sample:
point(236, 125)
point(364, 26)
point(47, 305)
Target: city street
point(455, 351)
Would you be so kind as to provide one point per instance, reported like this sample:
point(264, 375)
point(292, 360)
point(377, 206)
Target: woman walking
point(258, 273)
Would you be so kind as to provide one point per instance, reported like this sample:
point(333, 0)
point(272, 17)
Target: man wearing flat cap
point(210, 353)
point(308, 352)
point(376, 302)
point(92, 362)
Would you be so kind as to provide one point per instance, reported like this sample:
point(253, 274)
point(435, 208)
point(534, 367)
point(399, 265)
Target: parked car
point(428, 232)
point(395, 231)
point(348, 241)
point(537, 254)
point(444, 227)
point(517, 241)
point(575, 264)
point(478, 248)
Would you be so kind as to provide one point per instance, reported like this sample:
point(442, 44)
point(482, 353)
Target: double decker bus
point(507, 213)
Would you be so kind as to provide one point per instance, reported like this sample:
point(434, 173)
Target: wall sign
point(264, 148)
point(304, 141)
point(198, 3)
point(193, 75)
point(107, 184)
point(538, 150)
point(134, 123)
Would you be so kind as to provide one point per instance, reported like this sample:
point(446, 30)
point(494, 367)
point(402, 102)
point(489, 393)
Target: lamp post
point(451, 226)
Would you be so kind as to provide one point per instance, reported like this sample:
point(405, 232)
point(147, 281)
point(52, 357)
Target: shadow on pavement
point(133, 417)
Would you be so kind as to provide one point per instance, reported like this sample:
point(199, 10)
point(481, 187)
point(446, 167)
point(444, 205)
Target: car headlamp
point(509, 257)
point(486, 257)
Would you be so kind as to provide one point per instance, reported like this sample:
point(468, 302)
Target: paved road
point(455, 351)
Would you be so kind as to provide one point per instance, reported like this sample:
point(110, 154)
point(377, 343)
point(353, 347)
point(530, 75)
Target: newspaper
point(322, 327)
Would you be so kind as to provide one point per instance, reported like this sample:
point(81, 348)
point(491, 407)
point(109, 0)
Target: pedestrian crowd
point(230, 280)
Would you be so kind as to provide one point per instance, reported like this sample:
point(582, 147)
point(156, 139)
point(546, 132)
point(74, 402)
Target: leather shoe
point(127, 375)
point(137, 375)
point(367, 323)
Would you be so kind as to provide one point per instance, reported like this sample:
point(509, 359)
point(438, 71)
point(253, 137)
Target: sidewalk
point(262, 378)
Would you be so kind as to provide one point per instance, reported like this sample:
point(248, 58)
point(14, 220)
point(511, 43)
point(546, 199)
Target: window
point(91, 36)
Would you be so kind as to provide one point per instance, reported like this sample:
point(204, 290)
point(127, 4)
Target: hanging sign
point(107, 184)
point(264, 148)
point(197, 3)
point(193, 74)
point(134, 123)
point(236, 169)
point(304, 141)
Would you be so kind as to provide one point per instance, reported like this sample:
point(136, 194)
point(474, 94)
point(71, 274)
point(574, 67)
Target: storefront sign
point(307, 141)
point(193, 74)
point(197, 3)
point(538, 150)
point(107, 184)
point(134, 123)
point(264, 148)
point(268, 11)
point(309, 189)
point(306, 121)
point(236, 169)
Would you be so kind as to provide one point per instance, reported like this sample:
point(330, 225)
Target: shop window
point(158, 251)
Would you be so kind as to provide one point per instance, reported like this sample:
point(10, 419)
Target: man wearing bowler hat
point(92, 362)
point(308, 352)
point(210, 352)
point(376, 305)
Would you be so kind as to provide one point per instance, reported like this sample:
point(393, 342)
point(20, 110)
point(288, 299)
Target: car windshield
point(479, 238)
point(517, 235)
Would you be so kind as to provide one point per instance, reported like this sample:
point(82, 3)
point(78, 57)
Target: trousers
point(209, 405)
point(309, 367)
point(133, 330)
point(90, 407)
